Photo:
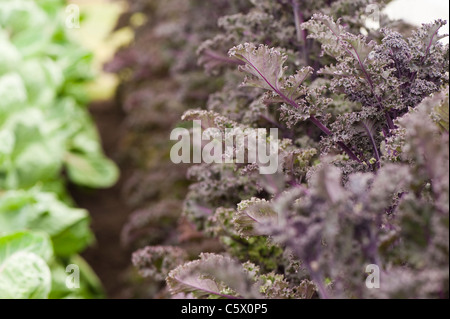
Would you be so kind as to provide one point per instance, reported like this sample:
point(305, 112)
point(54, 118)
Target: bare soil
point(108, 209)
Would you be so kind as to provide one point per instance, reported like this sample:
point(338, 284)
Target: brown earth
point(107, 209)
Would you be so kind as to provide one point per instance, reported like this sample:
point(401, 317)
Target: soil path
point(108, 210)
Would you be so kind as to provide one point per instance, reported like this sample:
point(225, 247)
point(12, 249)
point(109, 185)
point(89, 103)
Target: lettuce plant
point(363, 173)
point(45, 133)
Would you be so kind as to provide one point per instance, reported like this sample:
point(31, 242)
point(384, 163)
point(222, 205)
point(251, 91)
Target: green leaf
point(43, 86)
point(18, 16)
point(90, 285)
point(73, 239)
point(37, 155)
point(68, 227)
point(9, 55)
point(24, 276)
point(24, 272)
point(12, 92)
point(91, 170)
point(33, 242)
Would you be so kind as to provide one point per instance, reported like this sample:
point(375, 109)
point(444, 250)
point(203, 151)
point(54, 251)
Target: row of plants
point(363, 175)
point(47, 140)
point(159, 80)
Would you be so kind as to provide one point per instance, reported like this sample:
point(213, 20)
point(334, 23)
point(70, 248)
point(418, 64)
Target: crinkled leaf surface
point(24, 273)
point(68, 227)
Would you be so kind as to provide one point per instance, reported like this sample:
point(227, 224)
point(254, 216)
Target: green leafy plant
point(45, 131)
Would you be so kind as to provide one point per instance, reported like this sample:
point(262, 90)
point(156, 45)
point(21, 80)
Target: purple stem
point(368, 78)
point(219, 57)
point(301, 34)
point(313, 119)
point(422, 61)
point(210, 292)
point(374, 145)
point(429, 46)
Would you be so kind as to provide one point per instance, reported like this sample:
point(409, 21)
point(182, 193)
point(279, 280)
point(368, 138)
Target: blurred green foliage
point(45, 130)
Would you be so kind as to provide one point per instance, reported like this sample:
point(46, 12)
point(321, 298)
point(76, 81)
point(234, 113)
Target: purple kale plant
point(363, 176)
point(159, 80)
